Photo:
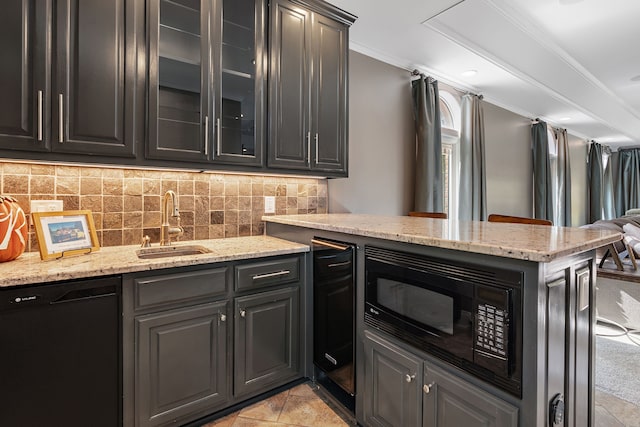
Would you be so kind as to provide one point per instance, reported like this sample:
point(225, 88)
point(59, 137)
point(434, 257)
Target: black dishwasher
point(60, 362)
point(333, 317)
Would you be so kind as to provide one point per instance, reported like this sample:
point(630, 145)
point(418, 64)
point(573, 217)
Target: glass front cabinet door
point(206, 79)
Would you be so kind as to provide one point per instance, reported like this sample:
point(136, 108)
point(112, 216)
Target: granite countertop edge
point(29, 269)
point(518, 241)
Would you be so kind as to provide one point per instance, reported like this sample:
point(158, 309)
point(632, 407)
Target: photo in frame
point(65, 233)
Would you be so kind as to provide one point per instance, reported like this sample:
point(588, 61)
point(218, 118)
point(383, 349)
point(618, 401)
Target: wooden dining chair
point(441, 215)
point(518, 219)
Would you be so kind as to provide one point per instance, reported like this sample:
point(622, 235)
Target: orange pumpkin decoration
point(13, 229)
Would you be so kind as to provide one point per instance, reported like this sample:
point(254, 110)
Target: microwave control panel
point(491, 330)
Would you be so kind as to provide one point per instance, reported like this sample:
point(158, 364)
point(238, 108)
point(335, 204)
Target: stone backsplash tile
point(126, 203)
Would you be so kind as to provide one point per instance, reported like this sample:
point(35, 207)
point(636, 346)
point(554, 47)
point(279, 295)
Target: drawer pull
point(339, 264)
point(331, 359)
point(269, 275)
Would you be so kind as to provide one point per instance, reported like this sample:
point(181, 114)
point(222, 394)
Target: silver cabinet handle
point(60, 118)
point(39, 115)
point(274, 274)
point(243, 313)
point(218, 136)
point(223, 317)
point(309, 148)
point(408, 378)
point(427, 387)
point(206, 135)
point(316, 159)
point(330, 245)
point(339, 264)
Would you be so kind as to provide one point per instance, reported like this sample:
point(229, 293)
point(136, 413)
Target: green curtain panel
point(429, 188)
point(542, 185)
point(563, 214)
point(601, 200)
point(628, 179)
point(472, 195)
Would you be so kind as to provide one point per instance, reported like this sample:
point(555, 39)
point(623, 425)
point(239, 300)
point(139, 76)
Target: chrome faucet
point(166, 230)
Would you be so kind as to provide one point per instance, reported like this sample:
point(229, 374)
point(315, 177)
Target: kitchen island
point(399, 383)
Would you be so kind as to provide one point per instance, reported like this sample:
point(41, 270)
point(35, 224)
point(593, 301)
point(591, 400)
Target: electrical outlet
point(46, 205)
point(269, 204)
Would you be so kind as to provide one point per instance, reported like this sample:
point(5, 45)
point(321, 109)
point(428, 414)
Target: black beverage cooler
point(333, 317)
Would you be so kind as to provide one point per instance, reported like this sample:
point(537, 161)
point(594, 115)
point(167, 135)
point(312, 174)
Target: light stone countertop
point(520, 241)
point(30, 269)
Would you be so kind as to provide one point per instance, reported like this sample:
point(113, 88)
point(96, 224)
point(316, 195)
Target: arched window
point(450, 129)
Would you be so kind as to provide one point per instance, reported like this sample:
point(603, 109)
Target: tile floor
point(299, 406)
point(614, 412)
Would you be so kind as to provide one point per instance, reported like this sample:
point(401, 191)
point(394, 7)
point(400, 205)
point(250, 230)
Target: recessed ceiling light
point(564, 119)
point(569, 1)
point(469, 73)
point(636, 78)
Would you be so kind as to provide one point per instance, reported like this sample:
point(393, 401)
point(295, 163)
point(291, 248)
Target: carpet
point(618, 369)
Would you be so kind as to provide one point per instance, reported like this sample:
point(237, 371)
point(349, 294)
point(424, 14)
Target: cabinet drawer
point(180, 287)
point(267, 273)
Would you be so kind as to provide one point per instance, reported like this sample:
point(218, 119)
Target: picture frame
point(65, 233)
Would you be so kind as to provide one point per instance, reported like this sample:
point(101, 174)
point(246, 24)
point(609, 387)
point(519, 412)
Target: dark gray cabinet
point(405, 390)
point(68, 76)
point(392, 383)
point(206, 97)
point(195, 342)
point(24, 76)
point(308, 87)
point(182, 360)
point(449, 401)
point(241, 106)
point(266, 341)
point(176, 340)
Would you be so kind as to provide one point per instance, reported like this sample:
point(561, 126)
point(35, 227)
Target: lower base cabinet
point(404, 390)
point(185, 363)
point(266, 340)
point(199, 339)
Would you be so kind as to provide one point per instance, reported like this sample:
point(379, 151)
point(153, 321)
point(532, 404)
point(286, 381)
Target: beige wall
point(125, 203)
point(381, 141)
point(509, 163)
point(381, 150)
point(578, 155)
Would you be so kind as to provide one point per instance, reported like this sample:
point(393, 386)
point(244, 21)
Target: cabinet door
point(181, 364)
point(289, 86)
point(329, 103)
point(180, 120)
point(240, 109)
point(266, 340)
point(93, 94)
point(392, 384)
point(452, 402)
point(24, 76)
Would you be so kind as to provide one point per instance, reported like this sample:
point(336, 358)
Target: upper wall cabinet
point(68, 76)
point(206, 97)
point(308, 86)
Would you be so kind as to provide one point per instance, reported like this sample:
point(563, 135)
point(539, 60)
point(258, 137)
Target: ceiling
point(572, 63)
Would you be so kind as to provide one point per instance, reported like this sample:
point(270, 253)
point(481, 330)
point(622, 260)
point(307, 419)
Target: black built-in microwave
point(466, 314)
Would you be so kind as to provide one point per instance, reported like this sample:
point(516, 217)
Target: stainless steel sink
point(171, 251)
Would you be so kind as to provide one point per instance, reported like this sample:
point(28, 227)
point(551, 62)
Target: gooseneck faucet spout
point(166, 230)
